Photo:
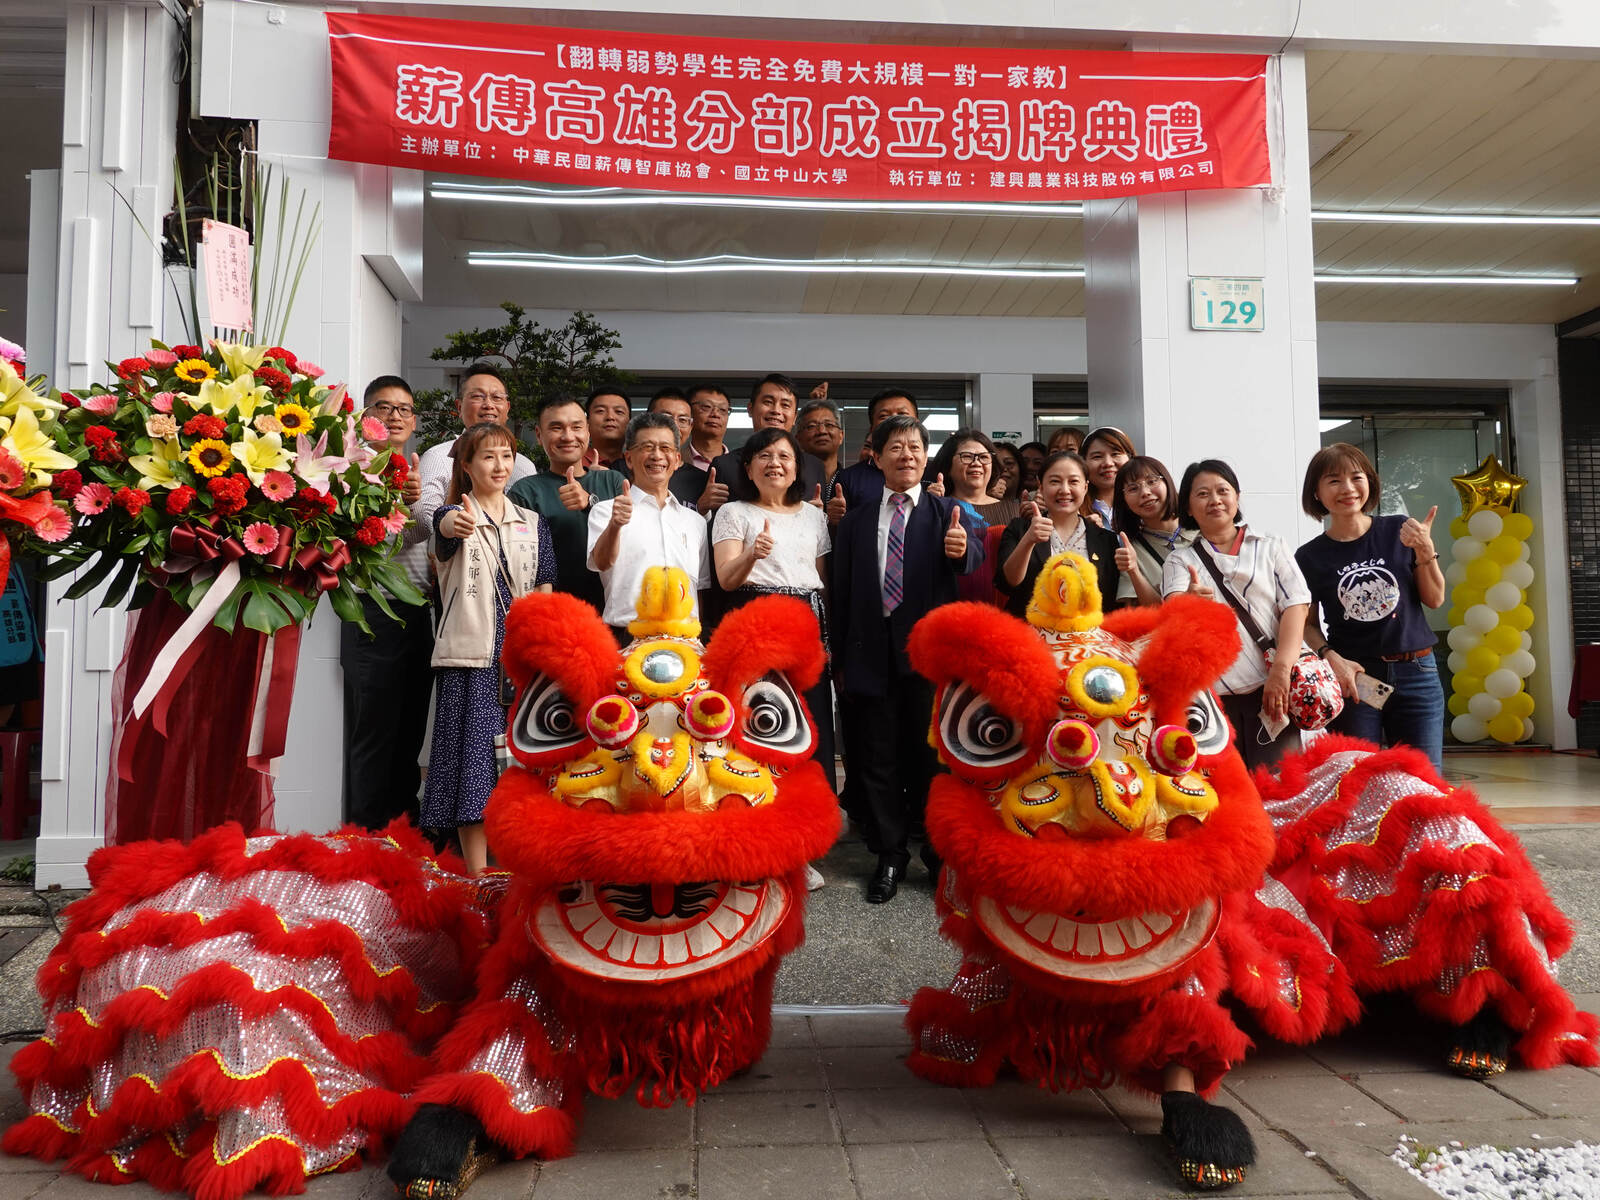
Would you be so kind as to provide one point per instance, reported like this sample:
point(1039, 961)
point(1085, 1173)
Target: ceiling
point(1401, 132)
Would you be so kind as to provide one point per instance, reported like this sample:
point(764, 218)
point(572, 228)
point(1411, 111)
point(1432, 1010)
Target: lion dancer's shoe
point(1418, 889)
point(657, 832)
point(241, 1013)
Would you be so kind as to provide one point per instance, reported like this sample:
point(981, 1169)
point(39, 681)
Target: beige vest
point(468, 584)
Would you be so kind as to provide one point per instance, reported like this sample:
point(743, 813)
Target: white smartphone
point(1372, 692)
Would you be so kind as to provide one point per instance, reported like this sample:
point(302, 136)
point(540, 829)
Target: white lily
point(15, 394)
point(243, 393)
point(240, 359)
point(34, 448)
point(155, 468)
point(259, 453)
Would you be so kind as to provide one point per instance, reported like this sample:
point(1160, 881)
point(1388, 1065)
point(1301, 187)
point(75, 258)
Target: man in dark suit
point(893, 562)
point(772, 406)
point(862, 483)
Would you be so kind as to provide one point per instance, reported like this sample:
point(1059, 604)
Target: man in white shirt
point(646, 526)
point(481, 398)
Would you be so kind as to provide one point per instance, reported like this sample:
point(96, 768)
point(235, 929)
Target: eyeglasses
point(487, 397)
point(818, 426)
point(384, 409)
point(767, 456)
point(719, 410)
point(969, 458)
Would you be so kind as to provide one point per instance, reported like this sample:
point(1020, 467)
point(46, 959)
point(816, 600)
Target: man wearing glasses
point(820, 432)
point(708, 421)
point(481, 397)
point(387, 675)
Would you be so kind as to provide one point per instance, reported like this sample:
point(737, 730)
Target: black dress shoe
point(885, 883)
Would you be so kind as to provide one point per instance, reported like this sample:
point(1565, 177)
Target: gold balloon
point(1490, 486)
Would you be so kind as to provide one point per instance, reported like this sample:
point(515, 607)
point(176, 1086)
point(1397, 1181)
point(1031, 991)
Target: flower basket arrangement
point(219, 491)
point(197, 461)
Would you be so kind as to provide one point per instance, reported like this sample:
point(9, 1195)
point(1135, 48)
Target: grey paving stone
point(767, 1119)
point(20, 1007)
point(861, 1029)
point(1435, 1096)
point(1368, 1168)
point(930, 1171)
point(870, 1067)
point(1277, 1058)
point(1135, 1110)
point(790, 1031)
point(1558, 1092)
point(905, 1115)
point(1016, 1109)
point(506, 1181)
point(790, 1173)
point(781, 1069)
point(11, 1164)
point(1287, 1102)
point(625, 1124)
point(623, 1174)
point(1282, 1166)
point(1103, 1168)
point(75, 1187)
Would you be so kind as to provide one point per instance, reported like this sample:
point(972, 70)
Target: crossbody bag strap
point(1249, 622)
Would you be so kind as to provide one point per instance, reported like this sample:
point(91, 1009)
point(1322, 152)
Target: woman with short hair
point(1104, 450)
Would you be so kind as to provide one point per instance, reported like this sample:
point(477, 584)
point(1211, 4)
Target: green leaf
point(264, 614)
point(123, 581)
point(93, 577)
point(347, 605)
point(228, 615)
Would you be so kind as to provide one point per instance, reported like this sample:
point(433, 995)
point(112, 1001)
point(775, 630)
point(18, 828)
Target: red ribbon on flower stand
point(201, 714)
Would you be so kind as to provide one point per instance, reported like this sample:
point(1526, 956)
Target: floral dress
point(467, 715)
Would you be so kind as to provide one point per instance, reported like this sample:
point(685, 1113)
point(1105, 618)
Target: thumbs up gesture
point(412, 491)
point(1040, 527)
point(622, 506)
point(1197, 588)
point(1419, 534)
point(573, 496)
point(836, 505)
point(1127, 561)
point(762, 546)
point(715, 495)
point(816, 497)
point(955, 537)
point(936, 488)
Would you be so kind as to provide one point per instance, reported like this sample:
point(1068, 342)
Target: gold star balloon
point(1490, 486)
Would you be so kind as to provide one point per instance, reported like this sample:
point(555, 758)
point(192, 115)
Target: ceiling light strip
point(491, 194)
point(1443, 218)
point(737, 266)
point(1455, 280)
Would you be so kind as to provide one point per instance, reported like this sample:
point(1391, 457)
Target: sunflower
point(209, 457)
point(293, 419)
point(195, 370)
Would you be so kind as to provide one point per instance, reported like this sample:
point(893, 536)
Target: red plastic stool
point(17, 801)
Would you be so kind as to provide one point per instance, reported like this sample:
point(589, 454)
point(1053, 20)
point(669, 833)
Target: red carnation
point(132, 368)
point(68, 484)
point(283, 356)
point(131, 500)
point(188, 352)
point(274, 379)
point(398, 471)
point(70, 400)
point(227, 494)
point(206, 426)
point(99, 435)
point(311, 503)
point(178, 500)
point(372, 531)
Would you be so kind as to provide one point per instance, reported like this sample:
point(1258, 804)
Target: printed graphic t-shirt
point(1367, 591)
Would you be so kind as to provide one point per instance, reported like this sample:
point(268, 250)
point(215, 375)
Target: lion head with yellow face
point(1095, 814)
point(664, 804)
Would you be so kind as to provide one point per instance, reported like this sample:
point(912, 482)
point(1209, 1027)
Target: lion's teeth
point(1111, 938)
point(1158, 922)
point(1134, 932)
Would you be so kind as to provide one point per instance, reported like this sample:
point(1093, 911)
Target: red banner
point(734, 116)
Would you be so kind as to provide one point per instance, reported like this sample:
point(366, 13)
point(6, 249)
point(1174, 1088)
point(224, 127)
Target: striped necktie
point(894, 559)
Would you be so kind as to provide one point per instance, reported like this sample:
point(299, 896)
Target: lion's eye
point(545, 719)
point(974, 732)
point(774, 717)
point(1205, 721)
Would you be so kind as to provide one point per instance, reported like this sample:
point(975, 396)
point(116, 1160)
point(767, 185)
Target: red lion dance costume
point(241, 1013)
point(1110, 873)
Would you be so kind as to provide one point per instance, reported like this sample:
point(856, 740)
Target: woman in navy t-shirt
point(1369, 578)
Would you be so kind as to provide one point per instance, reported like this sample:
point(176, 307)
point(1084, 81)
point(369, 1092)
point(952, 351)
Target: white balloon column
point(1490, 647)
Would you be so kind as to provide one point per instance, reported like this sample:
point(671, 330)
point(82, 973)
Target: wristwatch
point(1322, 651)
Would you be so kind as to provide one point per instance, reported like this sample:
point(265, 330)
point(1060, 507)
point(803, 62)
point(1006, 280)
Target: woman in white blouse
point(775, 544)
point(1260, 573)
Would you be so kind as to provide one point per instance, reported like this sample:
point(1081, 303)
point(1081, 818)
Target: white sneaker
point(814, 878)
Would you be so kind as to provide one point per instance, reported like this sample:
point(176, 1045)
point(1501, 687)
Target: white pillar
point(1002, 406)
point(1182, 394)
point(97, 298)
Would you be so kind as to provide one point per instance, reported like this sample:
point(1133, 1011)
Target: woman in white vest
point(488, 552)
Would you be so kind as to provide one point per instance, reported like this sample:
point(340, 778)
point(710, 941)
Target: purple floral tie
point(894, 560)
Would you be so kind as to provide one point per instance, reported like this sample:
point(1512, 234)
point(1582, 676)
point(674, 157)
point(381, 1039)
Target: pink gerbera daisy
point(277, 485)
point(95, 498)
point(11, 471)
point(396, 520)
point(373, 429)
point(103, 404)
point(162, 401)
point(261, 538)
point(306, 367)
point(161, 359)
point(53, 524)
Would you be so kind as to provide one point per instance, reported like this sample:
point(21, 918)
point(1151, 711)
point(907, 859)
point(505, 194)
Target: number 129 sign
point(1231, 305)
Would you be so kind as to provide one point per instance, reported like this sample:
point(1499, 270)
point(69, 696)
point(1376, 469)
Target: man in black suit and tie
point(893, 562)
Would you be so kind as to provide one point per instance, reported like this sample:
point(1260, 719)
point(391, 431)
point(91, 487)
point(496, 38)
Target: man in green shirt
point(563, 492)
